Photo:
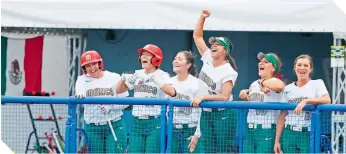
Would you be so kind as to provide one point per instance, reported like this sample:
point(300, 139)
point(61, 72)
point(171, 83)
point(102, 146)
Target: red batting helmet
point(155, 50)
point(91, 57)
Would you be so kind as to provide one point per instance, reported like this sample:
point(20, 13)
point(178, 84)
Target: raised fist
point(205, 13)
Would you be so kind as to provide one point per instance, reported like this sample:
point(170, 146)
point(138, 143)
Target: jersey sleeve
point(198, 129)
point(79, 88)
point(206, 57)
point(321, 88)
point(166, 78)
point(231, 77)
point(283, 98)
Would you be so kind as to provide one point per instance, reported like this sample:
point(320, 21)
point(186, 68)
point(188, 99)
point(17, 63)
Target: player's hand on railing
point(244, 94)
point(197, 101)
point(205, 13)
point(298, 110)
point(105, 108)
point(80, 96)
point(193, 143)
point(277, 148)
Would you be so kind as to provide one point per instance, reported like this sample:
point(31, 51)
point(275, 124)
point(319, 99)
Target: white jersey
point(294, 94)
point(148, 89)
point(214, 77)
point(186, 90)
point(260, 116)
point(102, 87)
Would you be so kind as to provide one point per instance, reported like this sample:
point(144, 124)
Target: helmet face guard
point(155, 50)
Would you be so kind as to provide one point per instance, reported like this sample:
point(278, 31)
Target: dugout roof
point(231, 15)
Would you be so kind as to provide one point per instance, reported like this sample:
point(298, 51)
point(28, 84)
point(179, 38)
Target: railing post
point(163, 128)
point(71, 128)
point(241, 128)
point(170, 128)
point(316, 115)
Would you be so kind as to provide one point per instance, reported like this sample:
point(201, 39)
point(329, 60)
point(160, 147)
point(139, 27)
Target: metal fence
point(243, 132)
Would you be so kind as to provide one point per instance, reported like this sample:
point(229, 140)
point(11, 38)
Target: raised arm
point(198, 33)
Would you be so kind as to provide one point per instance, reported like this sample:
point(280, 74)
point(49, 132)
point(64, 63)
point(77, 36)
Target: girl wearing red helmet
point(218, 73)
point(149, 82)
point(98, 83)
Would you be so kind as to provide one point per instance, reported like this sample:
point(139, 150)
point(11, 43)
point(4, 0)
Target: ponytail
point(231, 62)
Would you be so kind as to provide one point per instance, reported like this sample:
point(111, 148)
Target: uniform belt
point(105, 122)
point(146, 117)
point(263, 126)
point(182, 126)
point(297, 128)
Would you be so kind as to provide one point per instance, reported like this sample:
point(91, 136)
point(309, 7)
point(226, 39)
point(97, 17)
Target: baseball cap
point(270, 58)
point(223, 41)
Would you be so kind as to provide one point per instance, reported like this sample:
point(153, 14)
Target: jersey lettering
point(182, 96)
point(145, 88)
point(184, 110)
point(207, 80)
point(307, 115)
point(261, 112)
point(258, 97)
point(100, 92)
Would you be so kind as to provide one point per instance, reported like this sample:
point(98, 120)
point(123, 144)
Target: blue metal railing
point(71, 124)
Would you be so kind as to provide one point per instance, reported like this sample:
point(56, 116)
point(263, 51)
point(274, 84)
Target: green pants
point(218, 131)
point(259, 140)
point(180, 143)
point(294, 141)
point(145, 136)
point(101, 139)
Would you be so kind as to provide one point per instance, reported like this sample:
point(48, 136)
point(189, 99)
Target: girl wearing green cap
point(296, 130)
point(261, 124)
point(218, 75)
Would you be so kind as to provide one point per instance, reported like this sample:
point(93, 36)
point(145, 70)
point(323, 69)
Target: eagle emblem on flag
point(14, 73)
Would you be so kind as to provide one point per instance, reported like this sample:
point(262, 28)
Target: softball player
point(296, 130)
point(262, 123)
point(98, 83)
point(218, 74)
point(185, 119)
point(149, 82)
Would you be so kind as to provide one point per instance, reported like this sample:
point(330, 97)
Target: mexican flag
point(34, 63)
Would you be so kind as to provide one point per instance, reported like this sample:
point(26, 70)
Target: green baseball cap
point(223, 41)
point(270, 58)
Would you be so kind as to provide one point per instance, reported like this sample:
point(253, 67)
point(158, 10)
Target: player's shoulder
point(81, 77)
point(290, 86)
point(161, 72)
point(111, 74)
point(228, 70)
point(254, 83)
point(317, 81)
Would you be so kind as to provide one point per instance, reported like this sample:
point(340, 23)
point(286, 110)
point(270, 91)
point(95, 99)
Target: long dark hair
point(190, 60)
point(228, 57)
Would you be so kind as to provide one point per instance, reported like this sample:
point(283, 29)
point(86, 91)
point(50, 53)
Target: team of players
point(215, 127)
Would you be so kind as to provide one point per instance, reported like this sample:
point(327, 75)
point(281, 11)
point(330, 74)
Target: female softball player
point(262, 123)
point(104, 124)
point(296, 130)
point(185, 119)
point(149, 82)
point(218, 74)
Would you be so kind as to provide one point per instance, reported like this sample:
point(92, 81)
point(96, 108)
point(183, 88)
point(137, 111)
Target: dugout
point(117, 28)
